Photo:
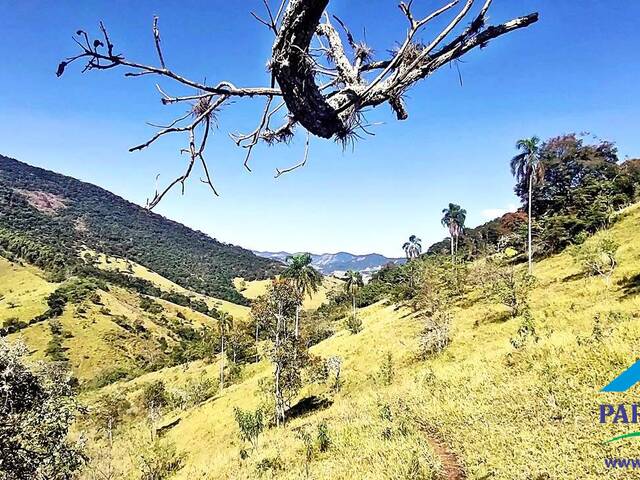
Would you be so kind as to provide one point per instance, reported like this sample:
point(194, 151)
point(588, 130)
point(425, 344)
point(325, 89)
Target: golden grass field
point(509, 414)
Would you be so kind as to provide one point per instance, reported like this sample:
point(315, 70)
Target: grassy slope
point(122, 265)
point(507, 413)
point(95, 344)
point(253, 289)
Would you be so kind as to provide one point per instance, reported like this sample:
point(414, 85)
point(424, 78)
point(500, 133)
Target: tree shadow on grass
point(308, 405)
point(575, 276)
point(501, 316)
point(630, 286)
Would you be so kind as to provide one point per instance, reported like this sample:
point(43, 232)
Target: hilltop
point(51, 217)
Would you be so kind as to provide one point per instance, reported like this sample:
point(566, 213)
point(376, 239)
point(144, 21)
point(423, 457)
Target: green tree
point(412, 248)
point(528, 168)
point(453, 218)
point(275, 311)
point(37, 407)
point(353, 282)
point(305, 278)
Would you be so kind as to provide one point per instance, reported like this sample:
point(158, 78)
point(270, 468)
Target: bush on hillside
point(597, 257)
point(158, 460)
point(250, 425)
point(436, 334)
point(353, 324)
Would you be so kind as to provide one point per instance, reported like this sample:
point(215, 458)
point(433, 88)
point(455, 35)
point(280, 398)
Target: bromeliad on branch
point(316, 83)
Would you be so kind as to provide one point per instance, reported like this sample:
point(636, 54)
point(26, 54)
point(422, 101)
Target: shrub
point(12, 325)
point(109, 376)
point(353, 324)
point(597, 257)
point(195, 392)
point(508, 286)
point(109, 412)
point(149, 305)
point(250, 424)
point(323, 439)
point(526, 332)
point(386, 373)
point(159, 460)
point(154, 395)
point(436, 334)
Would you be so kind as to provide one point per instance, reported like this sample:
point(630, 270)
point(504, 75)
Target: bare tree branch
point(156, 38)
point(298, 165)
point(322, 88)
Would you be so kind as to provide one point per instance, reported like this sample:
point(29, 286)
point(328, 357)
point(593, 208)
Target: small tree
point(509, 285)
point(288, 353)
point(250, 424)
point(353, 324)
point(386, 372)
point(158, 460)
point(225, 322)
point(307, 442)
point(154, 398)
point(109, 412)
point(436, 334)
point(334, 368)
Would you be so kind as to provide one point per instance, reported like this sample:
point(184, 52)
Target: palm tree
point(225, 322)
point(305, 278)
point(353, 281)
point(412, 248)
point(454, 218)
point(528, 168)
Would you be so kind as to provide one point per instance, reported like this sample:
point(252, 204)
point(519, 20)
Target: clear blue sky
point(575, 70)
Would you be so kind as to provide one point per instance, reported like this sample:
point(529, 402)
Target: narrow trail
point(451, 466)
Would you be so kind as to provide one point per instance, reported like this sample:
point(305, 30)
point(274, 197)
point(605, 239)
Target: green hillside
point(47, 218)
point(492, 392)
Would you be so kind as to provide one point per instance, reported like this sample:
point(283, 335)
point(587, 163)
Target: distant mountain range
point(336, 263)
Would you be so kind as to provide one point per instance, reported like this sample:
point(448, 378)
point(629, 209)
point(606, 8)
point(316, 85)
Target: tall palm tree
point(453, 218)
point(225, 322)
point(305, 278)
point(412, 248)
point(527, 167)
point(353, 281)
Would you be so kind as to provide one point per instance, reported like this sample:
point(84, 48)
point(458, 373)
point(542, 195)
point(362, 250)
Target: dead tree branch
point(324, 89)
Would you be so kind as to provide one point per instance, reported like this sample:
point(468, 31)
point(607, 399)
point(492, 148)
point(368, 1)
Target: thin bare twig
point(299, 165)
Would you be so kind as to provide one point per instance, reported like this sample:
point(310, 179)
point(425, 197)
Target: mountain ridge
point(331, 263)
point(50, 217)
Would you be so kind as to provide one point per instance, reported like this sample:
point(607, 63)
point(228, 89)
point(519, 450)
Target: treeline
point(582, 185)
point(45, 218)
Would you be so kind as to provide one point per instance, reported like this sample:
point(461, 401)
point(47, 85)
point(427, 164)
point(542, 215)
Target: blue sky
point(575, 70)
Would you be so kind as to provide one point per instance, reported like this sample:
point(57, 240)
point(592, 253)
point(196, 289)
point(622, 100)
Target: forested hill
point(47, 218)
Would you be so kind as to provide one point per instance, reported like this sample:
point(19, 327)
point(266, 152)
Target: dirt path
point(451, 467)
